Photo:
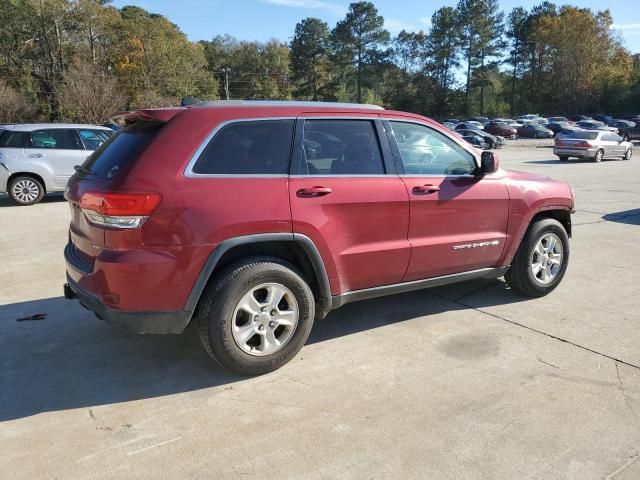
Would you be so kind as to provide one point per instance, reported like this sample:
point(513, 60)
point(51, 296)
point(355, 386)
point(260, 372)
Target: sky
point(266, 19)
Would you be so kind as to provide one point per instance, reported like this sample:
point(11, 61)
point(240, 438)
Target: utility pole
point(226, 72)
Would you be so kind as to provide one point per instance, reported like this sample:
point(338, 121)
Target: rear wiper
point(82, 169)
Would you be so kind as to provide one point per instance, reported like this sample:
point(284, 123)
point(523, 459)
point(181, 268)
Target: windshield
point(585, 135)
point(121, 149)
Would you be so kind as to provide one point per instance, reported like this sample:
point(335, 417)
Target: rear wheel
point(563, 158)
point(26, 190)
point(599, 155)
point(627, 154)
point(256, 315)
point(541, 260)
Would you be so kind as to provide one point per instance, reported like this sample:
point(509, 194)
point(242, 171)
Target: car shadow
point(6, 201)
point(69, 359)
point(630, 217)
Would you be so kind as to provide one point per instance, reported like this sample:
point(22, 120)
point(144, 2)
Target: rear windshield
point(585, 135)
point(121, 149)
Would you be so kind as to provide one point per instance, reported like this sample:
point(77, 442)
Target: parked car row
point(535, 126)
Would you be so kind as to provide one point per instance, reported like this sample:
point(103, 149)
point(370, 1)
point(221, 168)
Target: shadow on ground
point(5, 200)
point(630, 217)
point(72, 360)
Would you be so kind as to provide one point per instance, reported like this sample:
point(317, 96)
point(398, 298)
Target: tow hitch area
point(68, 293)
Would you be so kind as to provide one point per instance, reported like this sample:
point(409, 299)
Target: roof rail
point(276, 103)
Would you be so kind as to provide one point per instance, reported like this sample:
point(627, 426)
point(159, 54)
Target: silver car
point(39, 158)
point(592, 144)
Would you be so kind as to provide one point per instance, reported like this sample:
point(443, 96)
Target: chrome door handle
point(35, 155)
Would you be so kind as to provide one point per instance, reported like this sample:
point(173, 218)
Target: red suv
point(255, 218)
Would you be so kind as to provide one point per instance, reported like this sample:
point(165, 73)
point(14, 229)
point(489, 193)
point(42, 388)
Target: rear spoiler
point(145, 115)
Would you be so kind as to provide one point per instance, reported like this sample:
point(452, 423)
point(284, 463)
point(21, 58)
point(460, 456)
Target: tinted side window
point(342, 147)
point(59, 138)
point(248, 148)
point(425, 151)
point(12, 139)
point(92, 139)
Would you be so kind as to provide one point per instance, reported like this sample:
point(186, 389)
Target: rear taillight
point(118, 209)
point(583, 145)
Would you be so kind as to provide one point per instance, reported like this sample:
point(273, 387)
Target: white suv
point(39, 158)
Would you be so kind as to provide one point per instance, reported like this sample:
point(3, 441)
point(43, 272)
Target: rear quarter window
point(14, 139)
point(259, 147)
point(121, 149)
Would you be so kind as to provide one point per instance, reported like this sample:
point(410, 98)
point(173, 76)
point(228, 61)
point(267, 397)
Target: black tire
point(563, 158)
point(32, 184)
point(218, 303)
point(599, 156)
point(628, 154)
point(520, 276)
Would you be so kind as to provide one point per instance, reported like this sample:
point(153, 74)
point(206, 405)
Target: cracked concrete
point(466, 381)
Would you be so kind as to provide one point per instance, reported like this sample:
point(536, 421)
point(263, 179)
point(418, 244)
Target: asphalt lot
point(462, 382)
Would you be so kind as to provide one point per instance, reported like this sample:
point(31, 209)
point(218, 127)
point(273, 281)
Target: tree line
point(81, 60)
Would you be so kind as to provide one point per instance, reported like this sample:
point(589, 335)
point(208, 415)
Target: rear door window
point(259, 147)
point(342, 147)
point(13, 139)
point(58, 138)
point(121, 149)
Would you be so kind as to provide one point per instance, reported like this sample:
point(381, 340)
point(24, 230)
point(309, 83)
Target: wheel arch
point(297, 249)
point(561, 215)
point(26, 174)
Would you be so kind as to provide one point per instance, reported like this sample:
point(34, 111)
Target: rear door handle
point(425, 189)
point(312, 192)
point(35, 155)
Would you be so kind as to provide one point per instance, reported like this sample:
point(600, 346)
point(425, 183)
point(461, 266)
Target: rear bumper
point(132, 322)
point(575, 152)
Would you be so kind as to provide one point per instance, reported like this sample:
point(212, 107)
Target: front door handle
point(425, 189)
point(35, 155)
point(312, 192)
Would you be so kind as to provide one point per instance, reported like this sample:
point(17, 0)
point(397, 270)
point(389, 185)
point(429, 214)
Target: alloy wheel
point(26, 190)
point(546, 259)
point(265, 319)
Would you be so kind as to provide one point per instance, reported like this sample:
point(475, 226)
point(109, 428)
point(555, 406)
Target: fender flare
point(324, 301)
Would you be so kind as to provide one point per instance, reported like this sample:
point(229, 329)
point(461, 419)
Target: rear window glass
point(13, 139)
point(248, 148)
point(585, 135)
point(121, 149)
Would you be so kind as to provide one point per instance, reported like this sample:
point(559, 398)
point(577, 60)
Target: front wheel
point(26, 190)
point(541, 260)
point(256, 315)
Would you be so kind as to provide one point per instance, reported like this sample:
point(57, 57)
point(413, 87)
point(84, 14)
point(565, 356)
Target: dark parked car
point(556, 127)
point(491, 140)
point(579, 118)
point(477, 141)
point(625, 127)
point(501, 128)
point(535, 131)
point(606, 119)
point(558, 120)
point(595, 125)
point(469, 125)
point(481, 119)
point(254, 219)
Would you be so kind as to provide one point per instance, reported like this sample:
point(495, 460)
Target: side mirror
point(488, 163)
